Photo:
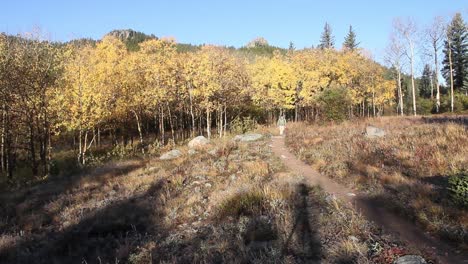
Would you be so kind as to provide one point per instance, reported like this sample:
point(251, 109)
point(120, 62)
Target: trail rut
point(372, 210)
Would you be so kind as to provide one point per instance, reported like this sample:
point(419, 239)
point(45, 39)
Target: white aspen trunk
point(400, 93)
point(208, 123)
point(216, 114)
point(436, 63)
point(161, 125)
point(99, 136)
point(373, 103)
point(225, 119)
point(140, 133)
point(83, 158)
point(220, 121)
point(94, 135)
point(451, 76)
point(80, 147)
point(413, 88)
point(432, 88)
point(191, 111)
point(200, 122)
point(364, 108)
point(171, 123)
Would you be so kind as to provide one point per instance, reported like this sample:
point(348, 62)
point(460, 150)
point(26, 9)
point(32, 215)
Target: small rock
point(330, 198)
point(248, 137)
point(232, 177)
point(353, 239)
point(213, 152)
point(198, 142)
point(151, 169)
point(192, 152)
point(410, 259)
point(373, 132)
point(200, 177)
point(208, 185)
point(171, 155)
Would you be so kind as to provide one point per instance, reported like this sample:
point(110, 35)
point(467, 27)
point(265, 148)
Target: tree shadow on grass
point(461, 120)
point(109, 235)
point(16, 207)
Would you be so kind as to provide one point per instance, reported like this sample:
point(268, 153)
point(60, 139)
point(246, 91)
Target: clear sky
point(225, 22)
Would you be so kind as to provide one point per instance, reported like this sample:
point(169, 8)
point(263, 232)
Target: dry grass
point(236, 206)
point(409, 167)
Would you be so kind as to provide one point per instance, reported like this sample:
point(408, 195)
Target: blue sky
point(225, 22)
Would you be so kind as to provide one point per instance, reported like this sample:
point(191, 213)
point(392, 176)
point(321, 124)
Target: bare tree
point(449, 43)
point(407, 30)
point(393, 56)
point(435, 34)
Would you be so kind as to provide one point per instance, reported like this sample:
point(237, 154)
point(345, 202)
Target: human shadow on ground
point(259, 241)
point(307, 246)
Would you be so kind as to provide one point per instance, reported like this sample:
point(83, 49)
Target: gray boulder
point(173, 154)
point(410, 259)
point(199, 141)
point(248, 137)
point(374, 132)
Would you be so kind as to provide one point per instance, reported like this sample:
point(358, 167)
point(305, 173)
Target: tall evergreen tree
point(327, 40)
point(457, 39)
point(350, 40)
point(425, 84)
point(291, 47)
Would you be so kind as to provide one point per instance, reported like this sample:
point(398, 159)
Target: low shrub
point(425, 106)
point(246, 203)
point(458, 187)
point(334, 103)
point(460, 103)
point(121, 151)
point(241, 125)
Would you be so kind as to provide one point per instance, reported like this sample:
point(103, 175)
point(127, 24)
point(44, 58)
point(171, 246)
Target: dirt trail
point(388, 221)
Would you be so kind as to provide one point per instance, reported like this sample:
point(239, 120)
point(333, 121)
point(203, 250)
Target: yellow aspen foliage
point(274, 82)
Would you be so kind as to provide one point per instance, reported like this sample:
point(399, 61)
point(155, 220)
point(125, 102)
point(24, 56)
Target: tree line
point(88, 94)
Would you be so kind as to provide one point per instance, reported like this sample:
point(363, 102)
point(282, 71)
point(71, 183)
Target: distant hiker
point(281, 124)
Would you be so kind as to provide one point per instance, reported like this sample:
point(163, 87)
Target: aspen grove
point(88, 95)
